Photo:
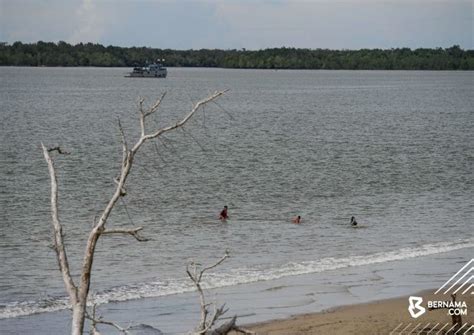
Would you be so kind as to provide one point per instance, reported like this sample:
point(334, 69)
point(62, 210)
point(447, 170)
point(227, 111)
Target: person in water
point(296, 220)
point(353, 221)
point(224, 216)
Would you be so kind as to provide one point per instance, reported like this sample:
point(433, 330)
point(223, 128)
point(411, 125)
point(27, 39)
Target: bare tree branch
point(58, 229)
point(123, 191)
point(98, 320)
point(216, 315)
point(205, 326)
point(156, 105)
point(96, 232)
point(124, 142)
point(133, 232)
point(196, 276)
point(183, 121)
point(59, 150)
point(226, 255)
point(142, 116)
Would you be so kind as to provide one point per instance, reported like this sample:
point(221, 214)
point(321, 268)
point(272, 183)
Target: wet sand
point(379, 317)
point(361, 290)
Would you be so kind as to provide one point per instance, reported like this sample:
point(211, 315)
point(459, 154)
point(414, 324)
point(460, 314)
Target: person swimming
point(296, 220)
point(223, 215)
point(353, 221)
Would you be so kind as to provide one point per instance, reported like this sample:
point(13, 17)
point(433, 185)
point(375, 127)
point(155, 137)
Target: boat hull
point(155, 70)
point(161, 74)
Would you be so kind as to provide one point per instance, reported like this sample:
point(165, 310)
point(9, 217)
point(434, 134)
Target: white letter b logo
point(415, 308)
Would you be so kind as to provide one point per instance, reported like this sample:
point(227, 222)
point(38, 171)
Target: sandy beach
point(380, 317)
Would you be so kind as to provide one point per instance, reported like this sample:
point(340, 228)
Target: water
point(394, 149)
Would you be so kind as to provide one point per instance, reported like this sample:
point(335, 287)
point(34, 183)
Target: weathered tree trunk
point(78, 317)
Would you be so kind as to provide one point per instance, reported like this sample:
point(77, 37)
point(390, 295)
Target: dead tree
point(78, 292)
point(206, 324)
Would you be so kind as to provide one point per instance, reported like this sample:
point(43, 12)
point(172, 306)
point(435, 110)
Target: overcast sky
point(235, 24)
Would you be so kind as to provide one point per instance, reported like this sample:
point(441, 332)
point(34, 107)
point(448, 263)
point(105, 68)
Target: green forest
point(89, 54)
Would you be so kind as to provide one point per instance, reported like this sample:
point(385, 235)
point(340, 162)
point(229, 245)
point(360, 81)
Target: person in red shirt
point(224, 216)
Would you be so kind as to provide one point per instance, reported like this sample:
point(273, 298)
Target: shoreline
point(303, 304)
point(385, 316)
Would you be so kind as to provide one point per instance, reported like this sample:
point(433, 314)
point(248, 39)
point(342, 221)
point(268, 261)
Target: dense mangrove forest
point(89, 54)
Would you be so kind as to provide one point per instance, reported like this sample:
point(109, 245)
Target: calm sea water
point(394, 149)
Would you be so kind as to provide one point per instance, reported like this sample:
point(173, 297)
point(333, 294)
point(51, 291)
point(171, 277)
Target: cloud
point(185, 24)
point(89, 23)
point(268, 24)
point(347, 24)
point(31, 21)
point(165, 24)
point(72, 21)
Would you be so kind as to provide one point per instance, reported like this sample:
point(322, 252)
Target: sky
point(237, 24)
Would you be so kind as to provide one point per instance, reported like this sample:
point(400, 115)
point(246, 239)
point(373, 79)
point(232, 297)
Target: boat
point(155, 70)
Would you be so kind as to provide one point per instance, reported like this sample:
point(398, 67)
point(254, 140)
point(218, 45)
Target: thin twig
point(226, 255)
point(132, 231)
point(124, 142)
point(59, 150)
point(126, 211)
point(156, 105)
point(194, 139)
point(183, 121)
point(225, 110)
point(98, 320)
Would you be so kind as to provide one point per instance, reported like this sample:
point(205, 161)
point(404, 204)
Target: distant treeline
point(89, 54)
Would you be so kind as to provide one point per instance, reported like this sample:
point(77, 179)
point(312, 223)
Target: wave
point(231, 278)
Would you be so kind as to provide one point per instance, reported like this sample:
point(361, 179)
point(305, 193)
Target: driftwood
point(140, 329)
point(78, 292)
point(95, 320)
point(205, 327)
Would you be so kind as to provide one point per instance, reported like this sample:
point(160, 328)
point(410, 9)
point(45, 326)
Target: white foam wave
point(234, 277)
